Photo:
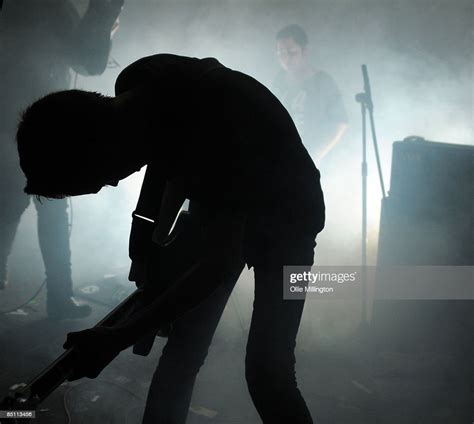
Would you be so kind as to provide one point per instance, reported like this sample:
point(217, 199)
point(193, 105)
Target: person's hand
point(138, 273)
point(94, 349)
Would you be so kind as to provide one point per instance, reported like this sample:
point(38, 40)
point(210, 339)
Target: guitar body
point(167, 262)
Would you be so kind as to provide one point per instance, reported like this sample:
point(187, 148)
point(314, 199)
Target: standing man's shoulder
point(327, 89)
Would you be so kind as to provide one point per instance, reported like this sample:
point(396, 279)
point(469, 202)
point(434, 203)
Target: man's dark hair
point(57, 140)
point(295, 32)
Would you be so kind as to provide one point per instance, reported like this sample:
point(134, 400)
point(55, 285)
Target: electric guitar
point(170, 260)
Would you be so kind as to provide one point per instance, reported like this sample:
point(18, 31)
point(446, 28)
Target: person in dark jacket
point(221, 139)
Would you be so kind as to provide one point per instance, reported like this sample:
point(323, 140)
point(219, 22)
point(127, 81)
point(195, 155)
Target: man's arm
point(318, 155)
point(144, 222)
point(334, 126)
point(157, 209)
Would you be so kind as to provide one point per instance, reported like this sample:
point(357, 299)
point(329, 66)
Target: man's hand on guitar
point(138, 273)
point(94, 349)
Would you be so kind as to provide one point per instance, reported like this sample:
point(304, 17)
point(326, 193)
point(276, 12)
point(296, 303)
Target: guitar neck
point(58, 371)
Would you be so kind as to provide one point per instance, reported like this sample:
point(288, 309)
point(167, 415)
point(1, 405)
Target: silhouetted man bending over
point(222, 140)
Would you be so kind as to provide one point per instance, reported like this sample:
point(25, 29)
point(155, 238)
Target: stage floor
point(347, 381)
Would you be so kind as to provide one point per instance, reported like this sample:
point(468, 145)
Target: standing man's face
point(291, 55)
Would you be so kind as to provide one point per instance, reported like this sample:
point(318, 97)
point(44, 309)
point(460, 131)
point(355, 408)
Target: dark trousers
point(269, 363)
point(53, 225)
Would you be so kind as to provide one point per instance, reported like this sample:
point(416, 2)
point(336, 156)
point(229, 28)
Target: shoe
point(67, 308)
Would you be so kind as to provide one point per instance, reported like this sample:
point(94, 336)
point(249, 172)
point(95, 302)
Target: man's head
point(63, 144)
point(292, 44)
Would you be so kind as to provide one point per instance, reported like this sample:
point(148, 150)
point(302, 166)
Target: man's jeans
point(53, 225)
point(270, 359)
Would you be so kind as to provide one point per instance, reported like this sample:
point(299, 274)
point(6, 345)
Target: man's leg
point(185, 352)
point(270, 360)
point(53, 235)
point(11, 209)
point(13, 201)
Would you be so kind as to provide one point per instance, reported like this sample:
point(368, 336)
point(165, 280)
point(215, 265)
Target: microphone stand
point(365, 100)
